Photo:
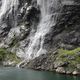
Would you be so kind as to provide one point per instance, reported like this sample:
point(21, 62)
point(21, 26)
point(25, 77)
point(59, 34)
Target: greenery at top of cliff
point(7, 55)
point(70, 56)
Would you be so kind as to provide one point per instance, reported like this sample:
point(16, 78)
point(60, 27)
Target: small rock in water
point(60, 70)
point(68, 72)
point(76, 73)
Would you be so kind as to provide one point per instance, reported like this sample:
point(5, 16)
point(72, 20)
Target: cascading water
point(8, 18)
point(48, 9)
point(7, 6)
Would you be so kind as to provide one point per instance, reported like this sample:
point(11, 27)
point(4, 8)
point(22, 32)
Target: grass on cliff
point(6, 55)
point(69, 52)
point(71, 56)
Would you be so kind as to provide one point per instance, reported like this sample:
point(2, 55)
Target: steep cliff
point(63, 41)
point(31, 28)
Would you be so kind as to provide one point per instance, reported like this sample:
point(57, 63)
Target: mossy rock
point(70, 56)
point(7, 55)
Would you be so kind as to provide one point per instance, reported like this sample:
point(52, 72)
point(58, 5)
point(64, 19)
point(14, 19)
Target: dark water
point(24, 74)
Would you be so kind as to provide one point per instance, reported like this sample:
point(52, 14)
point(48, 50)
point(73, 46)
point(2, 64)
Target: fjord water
point(26, 74)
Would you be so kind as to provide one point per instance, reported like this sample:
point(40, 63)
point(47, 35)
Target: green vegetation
point(7, 55)
point(70, 56)
point(70, 52)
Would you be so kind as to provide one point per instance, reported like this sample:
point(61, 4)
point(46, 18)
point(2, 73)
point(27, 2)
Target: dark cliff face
point(66, 31)
point(67, 28)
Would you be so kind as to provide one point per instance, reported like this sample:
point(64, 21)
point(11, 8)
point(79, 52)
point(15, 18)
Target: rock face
point(57, 62)
point(21, 31)
point(18, 22)
point(31, 28)
point(9, 63)
point(44, 62)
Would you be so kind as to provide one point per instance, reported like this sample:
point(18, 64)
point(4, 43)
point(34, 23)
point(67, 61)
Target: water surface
point(26, 74)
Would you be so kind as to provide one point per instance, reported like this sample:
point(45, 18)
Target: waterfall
point(8, 18)
point(7, 6)
point(48, 9)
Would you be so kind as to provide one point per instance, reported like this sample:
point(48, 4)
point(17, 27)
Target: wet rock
point(67, 46)
point(60, 70)
point(69, 72)
point(60, 64)
point(78, 66)
point(9, 63)
point(76, 73)
point(71, 57)
point(78, 54)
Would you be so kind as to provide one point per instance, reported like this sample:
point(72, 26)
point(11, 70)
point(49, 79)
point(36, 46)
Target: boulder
point(9, 63)
point(68, 72)
point(60, 64)
point(76, 73)
point(60, 70)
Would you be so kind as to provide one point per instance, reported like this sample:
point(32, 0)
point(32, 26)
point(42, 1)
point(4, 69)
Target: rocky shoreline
point(52, 62)
point(62, 60)
point(61, 70)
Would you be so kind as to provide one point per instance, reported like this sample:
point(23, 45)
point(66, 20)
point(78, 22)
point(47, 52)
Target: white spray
point(7, 6)
point(35, 47)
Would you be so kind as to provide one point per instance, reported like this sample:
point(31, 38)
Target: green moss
point(70, 56)
point(70, 52)
point(7, 55)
